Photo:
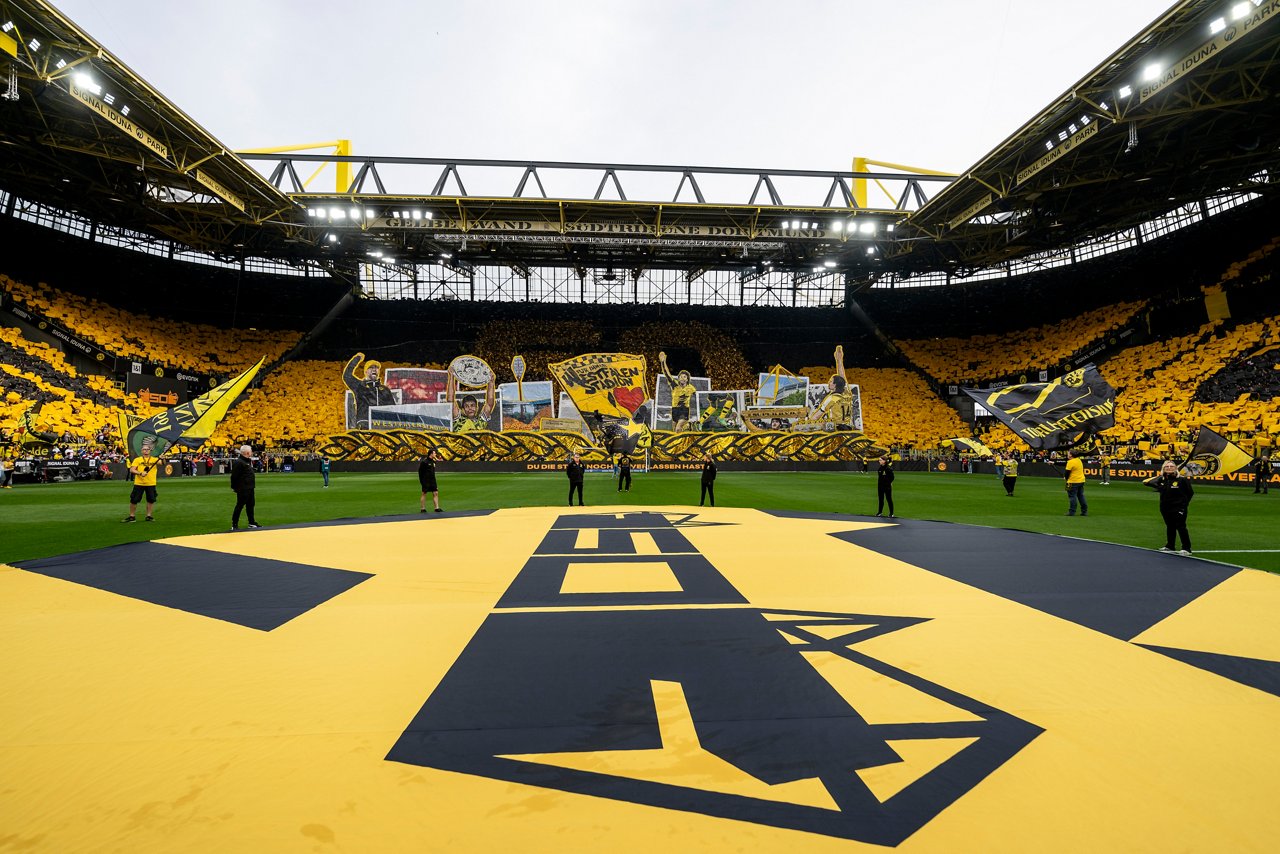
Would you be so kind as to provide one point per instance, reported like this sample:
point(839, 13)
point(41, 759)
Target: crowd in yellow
point(986, 357)
point(299, 404)
point(194, 347)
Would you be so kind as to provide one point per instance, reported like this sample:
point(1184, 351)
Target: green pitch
point(1227, 524)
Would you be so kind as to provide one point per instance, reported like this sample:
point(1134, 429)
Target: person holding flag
point(1010, 469)
point(1074, 473)
point(1175, 496)
point(143, 468)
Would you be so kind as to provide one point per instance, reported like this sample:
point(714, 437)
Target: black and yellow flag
point(969, 446)
point(1056, 414)
point(1215, 454)
point(188, 424)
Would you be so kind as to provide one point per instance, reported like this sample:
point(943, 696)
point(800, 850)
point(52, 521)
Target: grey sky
point(782, 84)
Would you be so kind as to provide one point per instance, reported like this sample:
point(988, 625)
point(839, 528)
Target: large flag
point(609, 391)
point(1058, 414)
point(187, 424)
point(1215, 454)
point(970, 446)
point(29, 433)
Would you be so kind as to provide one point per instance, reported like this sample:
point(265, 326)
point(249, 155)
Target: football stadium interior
point(1127, 230)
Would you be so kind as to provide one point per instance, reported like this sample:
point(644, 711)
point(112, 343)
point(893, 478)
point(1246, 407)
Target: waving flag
point(970, 446)
point(187, 424)
point(1215, 454)
point(1058, 414)
point(609, 391)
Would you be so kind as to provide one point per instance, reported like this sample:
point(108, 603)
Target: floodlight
point(388, 260)
point(369, 213)
point(817, 269)
point(1151, 72)
point(337, 213)
point(395, 214)
point(837, 226)
point(124, 111)
point(8, 25)
point(1048, 143)
point(1072, 128)
point(785, 224)
point(1125, 92)
point(1240, 10)
point(404, 214)
point(1085, 119)
point(1103, 105)
point(109, 98)
point(871, 250)
point(828, 263)
point(376, 253)
point(417, 214)
point(61, 64)
point(446, 255)
point(890, 227)
point(333, 238)
point(1217, 25)
point(34, 44)
point(430, 215)
point(355, 212)
point(83, 79)
point(868, 227)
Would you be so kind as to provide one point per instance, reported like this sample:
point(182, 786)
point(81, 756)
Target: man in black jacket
point(575, 471)
point(884, 485)
point(1261, 474)
point(1175, 495)
point(242, 478)
point(624, 473)
point(708, 481)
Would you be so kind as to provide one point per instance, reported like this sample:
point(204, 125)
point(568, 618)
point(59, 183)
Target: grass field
point(1228, 524)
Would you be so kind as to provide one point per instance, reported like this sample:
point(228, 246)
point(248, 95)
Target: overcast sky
point(798, 84)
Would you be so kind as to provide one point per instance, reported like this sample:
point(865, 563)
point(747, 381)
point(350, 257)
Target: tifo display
point(606, 411)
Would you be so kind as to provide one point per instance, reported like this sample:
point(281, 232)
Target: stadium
point(824, 584)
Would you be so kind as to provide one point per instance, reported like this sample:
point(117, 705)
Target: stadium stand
point(964, 360)
point(180, 345)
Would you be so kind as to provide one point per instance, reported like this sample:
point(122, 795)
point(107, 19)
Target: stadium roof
point(87, 134)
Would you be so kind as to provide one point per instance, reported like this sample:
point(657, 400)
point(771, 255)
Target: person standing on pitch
point(708, 481)
point(427, 480)
point(143, 469)
point(324, 470)
point(1261, 474)
point(1175, 496)
point(884, 486)
point(1104, 462)
point(1010, 475)
point(624, 472)
point(1074, 473)
point(575, 470)
point(242, 481)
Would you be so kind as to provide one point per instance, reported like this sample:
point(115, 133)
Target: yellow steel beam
point(341, 148)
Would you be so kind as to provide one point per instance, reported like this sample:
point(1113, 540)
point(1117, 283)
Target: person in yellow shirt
point(1010, 469)
point(682, 391)
point(143, 468)
point(1104, 462)
point(1075, 485)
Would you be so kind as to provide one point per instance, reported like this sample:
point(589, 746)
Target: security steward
point(575, 469)
point(708, 481)
point(884, 486)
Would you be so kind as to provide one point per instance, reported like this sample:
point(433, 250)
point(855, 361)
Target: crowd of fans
point(74, 406)
point(177, 344)
point(967, 361)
